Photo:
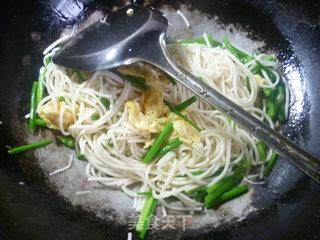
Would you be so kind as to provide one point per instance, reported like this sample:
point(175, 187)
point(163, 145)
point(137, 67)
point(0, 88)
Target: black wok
point(287, 206)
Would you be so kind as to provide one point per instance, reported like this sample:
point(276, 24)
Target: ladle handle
point(303, 160)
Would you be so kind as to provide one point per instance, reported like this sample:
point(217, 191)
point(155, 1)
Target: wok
point(33, 207)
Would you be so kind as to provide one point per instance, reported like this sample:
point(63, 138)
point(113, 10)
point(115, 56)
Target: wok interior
point(25, 54)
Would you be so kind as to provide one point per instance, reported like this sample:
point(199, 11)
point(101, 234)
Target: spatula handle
point(303, 160)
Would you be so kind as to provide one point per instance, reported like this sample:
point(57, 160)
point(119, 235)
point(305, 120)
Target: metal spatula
point(135, 33)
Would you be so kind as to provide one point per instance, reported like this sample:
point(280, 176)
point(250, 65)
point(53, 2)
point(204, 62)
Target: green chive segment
point(79, 75)
point(145, 217)
point(68, 141)
point(224, 185)
point(145, 193)
point(202, 41)
point(31, 146)
point(270, 164)
point(172, 80)
point(95, 117)
point(163, 136)
point(271, 109)
point(81, 157)
point(241, 55)
point(260, 67)
point(184, 117)
point(232, 193)
point(180, 107)
point(262, 150)
point(39, 122)
point(199, 194)
point(105, 102)
point(172, 144)
point(47, 60)
point(33, 107)
point(138, 82)
point(61, 99)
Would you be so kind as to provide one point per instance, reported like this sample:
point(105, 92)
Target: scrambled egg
point(51, 115)
point(185, 132)
point(152, 101)
point(150, 115)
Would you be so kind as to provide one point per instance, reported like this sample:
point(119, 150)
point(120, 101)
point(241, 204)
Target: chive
point(68, 141)
point(214, 42)
point(259, 67)
point(213, 198)
point(224, 185)
point(145, 193)
point(241, 55)
point(194, 173)
point(138, 82)
point(39, 122)
point(231, 123)
point(271, 58)
point(172, 80)
point(163, 136)
point(40, 87)
point(28, 147)
point(47, 60)
point(184, 117)
point(220, 183)
point(33, 107)
point(243, 164)
point(185, 104)
point(105, 102)
point(280, 95)
point(271, 109)
point(270, 164)
point(199, 194)
point(202, 41)
point(238, 171)
point(267, 91)
point(79, 75)
point(81, 157)
point(262, 149)
point(61, 99)
point(232, 193)
point(95, 116)
point(145, 217)
point(172, 144)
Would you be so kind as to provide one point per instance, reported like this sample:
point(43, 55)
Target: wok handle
point(300, 158)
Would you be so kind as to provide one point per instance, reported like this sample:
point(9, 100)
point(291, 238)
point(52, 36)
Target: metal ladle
point(135, 33)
